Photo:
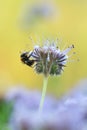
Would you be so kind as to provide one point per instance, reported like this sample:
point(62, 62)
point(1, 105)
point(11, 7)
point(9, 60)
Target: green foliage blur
point(5, 113)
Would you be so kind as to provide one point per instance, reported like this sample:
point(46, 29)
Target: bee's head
point(24, 54)
point(24, 57)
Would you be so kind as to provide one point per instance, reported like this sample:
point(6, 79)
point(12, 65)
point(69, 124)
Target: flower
point(47, 59)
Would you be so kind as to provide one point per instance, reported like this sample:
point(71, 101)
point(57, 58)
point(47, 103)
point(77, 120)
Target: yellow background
point(70, 26)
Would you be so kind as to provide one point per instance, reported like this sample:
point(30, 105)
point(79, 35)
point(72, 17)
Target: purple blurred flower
point(68, 113)
point(32, 15)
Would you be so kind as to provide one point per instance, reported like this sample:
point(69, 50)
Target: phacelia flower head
point(47, 59)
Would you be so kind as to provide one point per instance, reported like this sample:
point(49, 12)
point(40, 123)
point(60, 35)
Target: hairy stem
point(43, 93)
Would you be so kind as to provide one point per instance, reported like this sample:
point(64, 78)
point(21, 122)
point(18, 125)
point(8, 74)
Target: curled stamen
point(71, 54)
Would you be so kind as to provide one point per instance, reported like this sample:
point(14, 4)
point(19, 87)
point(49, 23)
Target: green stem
point(43, 92)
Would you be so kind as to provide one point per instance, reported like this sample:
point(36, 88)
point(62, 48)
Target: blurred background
point(24, 23)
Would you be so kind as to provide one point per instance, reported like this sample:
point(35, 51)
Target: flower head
point(47, 59)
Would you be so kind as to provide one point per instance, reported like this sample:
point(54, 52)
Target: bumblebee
point(25, 58)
